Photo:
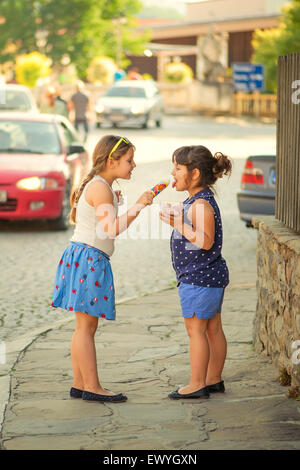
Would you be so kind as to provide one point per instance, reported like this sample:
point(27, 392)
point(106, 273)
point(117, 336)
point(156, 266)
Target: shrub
point(147, 76)
point(101, 70)
point(178, 72)
point(30, 67)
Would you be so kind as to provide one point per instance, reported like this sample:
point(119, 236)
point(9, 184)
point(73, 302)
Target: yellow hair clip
point(117, 145)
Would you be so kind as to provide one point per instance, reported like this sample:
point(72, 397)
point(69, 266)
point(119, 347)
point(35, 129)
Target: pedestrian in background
point(201, 271)
point(79, 103)
point(54, 102)
point(84, 280)
point(60, 105)
point(133, 74)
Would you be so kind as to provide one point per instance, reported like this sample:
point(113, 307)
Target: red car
point(41, 160)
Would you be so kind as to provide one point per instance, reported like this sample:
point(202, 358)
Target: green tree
point(18, 28)
point(270, 44)
point(81, 29)
point(266, 52)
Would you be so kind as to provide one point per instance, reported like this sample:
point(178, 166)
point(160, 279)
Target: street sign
point(248, 77)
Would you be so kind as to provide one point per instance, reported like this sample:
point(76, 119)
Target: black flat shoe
point(75, 393)
point(202, 393)
point(89, 396)
point(218, 387)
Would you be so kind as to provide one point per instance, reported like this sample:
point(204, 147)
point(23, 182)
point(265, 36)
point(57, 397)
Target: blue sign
point(248, 77)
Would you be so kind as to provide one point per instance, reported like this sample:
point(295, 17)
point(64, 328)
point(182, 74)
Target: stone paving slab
point(144, 354)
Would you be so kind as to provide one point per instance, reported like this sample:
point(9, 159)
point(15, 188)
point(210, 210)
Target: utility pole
point(118, 22)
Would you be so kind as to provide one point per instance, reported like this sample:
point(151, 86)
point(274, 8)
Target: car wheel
point(158, 123)
point(62, 222)
point(146, 123)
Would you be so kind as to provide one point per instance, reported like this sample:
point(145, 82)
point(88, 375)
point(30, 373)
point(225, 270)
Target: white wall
point(228, 9)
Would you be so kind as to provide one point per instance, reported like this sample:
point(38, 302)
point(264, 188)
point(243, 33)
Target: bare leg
point(83, 352)
point(77, 377)
point(218, 350)
point(199, 354)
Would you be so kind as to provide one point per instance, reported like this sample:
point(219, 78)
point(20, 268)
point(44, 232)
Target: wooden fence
point(254, 104)
point(287, 202)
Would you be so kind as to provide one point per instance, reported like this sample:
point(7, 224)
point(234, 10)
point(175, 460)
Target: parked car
point(130, 102)
point(257, 195)
point(17, 98)
point(41, 160)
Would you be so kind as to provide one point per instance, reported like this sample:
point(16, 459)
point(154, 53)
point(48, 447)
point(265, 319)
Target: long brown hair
point(211, 166)
point(100, 155)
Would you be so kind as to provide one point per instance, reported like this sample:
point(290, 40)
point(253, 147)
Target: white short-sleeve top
point(88, 229)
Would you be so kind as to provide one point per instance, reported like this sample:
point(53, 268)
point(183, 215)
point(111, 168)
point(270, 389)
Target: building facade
point(214, 34)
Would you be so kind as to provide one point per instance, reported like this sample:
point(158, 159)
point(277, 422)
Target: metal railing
point(254, 104)
point(287, 200)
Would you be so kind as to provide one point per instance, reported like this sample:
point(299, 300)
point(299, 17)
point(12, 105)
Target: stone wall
point(277, 321)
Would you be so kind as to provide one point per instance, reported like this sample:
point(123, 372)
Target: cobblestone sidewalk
point(144, 354)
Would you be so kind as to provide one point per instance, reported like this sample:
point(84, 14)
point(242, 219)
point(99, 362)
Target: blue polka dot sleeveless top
point(196, 266)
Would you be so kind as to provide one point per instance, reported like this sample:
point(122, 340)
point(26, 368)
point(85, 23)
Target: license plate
point(3, 196)
point(116, 117)
point(273, 176)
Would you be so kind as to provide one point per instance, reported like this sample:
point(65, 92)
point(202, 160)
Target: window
point(29, 137)
point(126, 92)
point(15, 100)
point(70, 135)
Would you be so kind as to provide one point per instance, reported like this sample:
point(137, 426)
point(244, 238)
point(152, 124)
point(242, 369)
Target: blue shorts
point(204, 302)
point(84, 282)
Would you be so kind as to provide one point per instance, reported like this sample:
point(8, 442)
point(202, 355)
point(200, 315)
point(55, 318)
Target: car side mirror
point(76, 147)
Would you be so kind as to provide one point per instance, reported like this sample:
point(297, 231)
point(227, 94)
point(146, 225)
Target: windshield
point(126, 92)
point(29, 137)
point(15, 100)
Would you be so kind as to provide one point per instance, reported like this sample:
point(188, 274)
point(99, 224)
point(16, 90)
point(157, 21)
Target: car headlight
point(34, 183)
point(137, 109)
point(100, 108)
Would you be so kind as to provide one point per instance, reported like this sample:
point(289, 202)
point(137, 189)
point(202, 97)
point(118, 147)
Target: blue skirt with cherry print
point(84, 282)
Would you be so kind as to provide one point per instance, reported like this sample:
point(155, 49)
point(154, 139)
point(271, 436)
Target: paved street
point(30, 252)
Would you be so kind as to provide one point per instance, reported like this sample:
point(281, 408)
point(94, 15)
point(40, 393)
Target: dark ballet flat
point(95, 397)
point(218, 387)
point(202, 393)
point(76, 393)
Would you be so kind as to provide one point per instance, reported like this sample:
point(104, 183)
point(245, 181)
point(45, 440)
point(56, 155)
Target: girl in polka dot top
point(201, 271)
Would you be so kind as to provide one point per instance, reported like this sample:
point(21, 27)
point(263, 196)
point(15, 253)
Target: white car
point(17, 98)
point(130, 102)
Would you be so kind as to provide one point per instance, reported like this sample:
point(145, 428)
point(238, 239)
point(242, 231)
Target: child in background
point(84, 280)
point(202, 274)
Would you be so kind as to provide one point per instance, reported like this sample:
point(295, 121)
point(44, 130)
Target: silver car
point(130, 102)
point(257, 194)
point(17, 98)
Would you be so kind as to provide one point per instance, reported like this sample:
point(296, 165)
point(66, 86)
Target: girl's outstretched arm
point(101, 198)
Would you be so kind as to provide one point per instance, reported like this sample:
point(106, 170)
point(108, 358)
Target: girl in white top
point(84, 280)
